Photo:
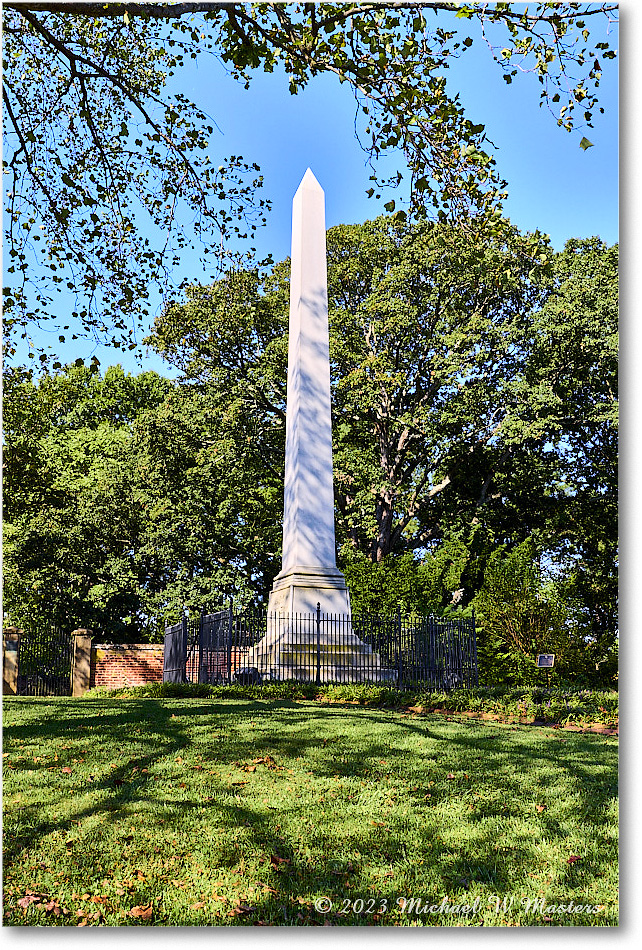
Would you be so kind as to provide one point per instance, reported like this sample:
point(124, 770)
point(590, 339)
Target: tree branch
point(172, 11)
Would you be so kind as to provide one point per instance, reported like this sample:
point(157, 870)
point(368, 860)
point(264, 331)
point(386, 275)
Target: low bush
point(525, 703)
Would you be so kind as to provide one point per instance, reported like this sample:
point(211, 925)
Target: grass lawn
point(238, 811)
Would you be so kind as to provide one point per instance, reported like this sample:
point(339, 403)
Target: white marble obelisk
point(309, 573)
point(299, 644)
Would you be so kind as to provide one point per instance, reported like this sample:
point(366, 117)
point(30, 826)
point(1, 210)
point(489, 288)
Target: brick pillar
point(81, 662)
point(10, 658)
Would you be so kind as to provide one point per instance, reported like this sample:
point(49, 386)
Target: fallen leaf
point(266, 887)
point(450, 775)
point(541, 807)
point(66, 770)
point(197, 905)
point(276, 861)
point(28, 899)
point(573, 858)
point(240, 909)
point(142, 911)
point(267, 761)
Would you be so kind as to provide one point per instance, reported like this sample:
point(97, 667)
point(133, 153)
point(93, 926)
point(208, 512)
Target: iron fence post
point(318, 677)
point(475, 651)
point(200, 645)
point(399, 653)
point(184, 632)
point(230, 631)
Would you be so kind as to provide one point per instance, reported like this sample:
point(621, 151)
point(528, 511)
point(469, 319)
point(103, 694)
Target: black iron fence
point(254, 647)
point(45, 657)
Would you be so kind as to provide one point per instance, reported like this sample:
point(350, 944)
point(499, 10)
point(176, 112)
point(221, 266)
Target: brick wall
point(126, 664)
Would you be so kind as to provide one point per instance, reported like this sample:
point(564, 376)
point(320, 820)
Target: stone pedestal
point(81, 664)
point(300, 589)
point(10, 660)
point(310, 636)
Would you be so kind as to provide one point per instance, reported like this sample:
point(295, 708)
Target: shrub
point(549, 705)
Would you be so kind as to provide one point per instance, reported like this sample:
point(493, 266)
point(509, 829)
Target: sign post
point(546, 661)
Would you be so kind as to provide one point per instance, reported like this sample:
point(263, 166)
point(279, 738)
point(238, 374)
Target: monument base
point(299, 590)
point(297, 647)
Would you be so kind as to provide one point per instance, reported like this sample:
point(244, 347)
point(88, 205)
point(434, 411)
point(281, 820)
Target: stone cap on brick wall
point(127, 646)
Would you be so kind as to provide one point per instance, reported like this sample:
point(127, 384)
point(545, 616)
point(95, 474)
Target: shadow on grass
point(462, 757)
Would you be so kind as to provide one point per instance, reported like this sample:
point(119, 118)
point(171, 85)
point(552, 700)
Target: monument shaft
point(309, 572)
point(308, 517)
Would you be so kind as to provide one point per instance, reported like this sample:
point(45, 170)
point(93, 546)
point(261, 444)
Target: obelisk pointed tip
point(309, 181)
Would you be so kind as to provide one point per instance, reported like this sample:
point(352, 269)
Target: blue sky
point(553, 184)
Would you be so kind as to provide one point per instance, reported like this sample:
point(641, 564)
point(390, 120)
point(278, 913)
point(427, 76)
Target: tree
point(95, 143)
point(519, 617)
point(474, 401)
point(70, 512)
point(461, 377)
point(112, 517)
point(570, 399)
point(425, 354)
point(427, 336)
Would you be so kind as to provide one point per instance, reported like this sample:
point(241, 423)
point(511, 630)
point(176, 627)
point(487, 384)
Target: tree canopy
point(472, 384)
point(95, 144)
point(474, 391)
point(112, 516)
